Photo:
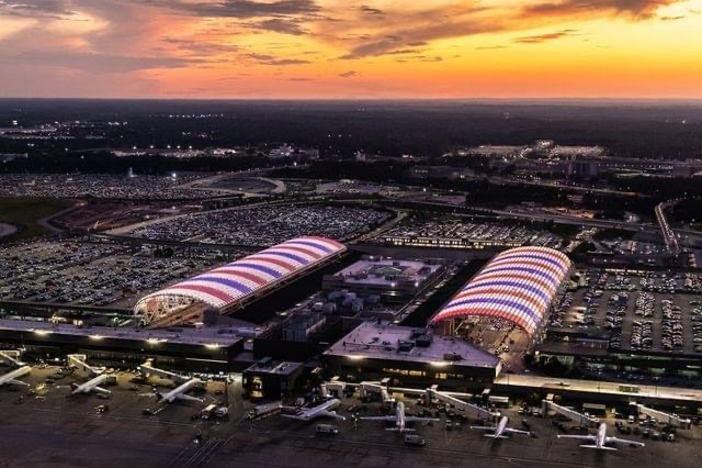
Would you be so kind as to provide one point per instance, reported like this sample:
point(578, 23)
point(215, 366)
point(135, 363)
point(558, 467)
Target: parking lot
point(265, 225)
point(643, 311)
point(458, 232)
point(103, 186)
point(91, 274)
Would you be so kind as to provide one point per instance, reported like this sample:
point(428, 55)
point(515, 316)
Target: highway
point(669, 236)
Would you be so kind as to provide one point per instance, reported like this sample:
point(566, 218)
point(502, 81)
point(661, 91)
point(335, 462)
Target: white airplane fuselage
point(600, 440)
point(323, 410)
point(601, 437)
point(400, 417)
point(499, 431)
point(11, 377)
point(92, 385)
point(179, 393)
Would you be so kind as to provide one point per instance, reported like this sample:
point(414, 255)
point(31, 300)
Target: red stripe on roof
point(303, 250)
point(517, 276)
point(505, 291)
point(325, 240)
point(487, 312)
point(222, 296)
point(516, 263)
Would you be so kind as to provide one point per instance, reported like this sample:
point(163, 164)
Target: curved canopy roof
point(231, 283)
point(517, 285)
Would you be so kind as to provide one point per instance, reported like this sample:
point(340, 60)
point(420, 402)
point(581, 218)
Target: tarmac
point(48, 429)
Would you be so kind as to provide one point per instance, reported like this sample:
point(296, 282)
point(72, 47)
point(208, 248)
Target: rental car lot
point(649, 311)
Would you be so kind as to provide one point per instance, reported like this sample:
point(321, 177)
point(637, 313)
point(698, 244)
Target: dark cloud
point(421, 27)
point(200, 48)
point(495, 47)
point(541, 38)
point(282, 26)
point(348, 74)
point(671, 18)
point(420, 58)
point(36, 8)
point(265, 59)
point(371, 10)
point(95, 62)
point(635, 8)
point(241, 8)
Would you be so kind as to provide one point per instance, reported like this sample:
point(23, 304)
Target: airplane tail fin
point(597, 447)
point(74, 386)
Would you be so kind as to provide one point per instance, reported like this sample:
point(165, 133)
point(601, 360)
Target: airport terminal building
point(410, 356)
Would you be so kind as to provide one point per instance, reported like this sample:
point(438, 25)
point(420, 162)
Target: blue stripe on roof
point(535, 290)
point(534, 271)
point(277, 253)
point(254, 266)
point(547, 259)
point(224, 281)
point(504, 302)
point(319, 246)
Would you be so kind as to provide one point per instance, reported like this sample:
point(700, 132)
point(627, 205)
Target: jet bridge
point(454, 399)
point(148, 369)
point(377, 388)
point(584, 420)
point(11, 357)
point(78, 360)
point(671, 419)
point(365, 388)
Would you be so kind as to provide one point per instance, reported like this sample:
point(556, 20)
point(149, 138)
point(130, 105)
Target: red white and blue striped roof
point(231, 283)
point(517, 285)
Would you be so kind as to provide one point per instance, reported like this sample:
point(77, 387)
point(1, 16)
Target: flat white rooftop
point(206, 336)
point(386, 271)
point(381, 341)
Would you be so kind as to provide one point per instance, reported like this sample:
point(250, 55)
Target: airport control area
point(220, 332)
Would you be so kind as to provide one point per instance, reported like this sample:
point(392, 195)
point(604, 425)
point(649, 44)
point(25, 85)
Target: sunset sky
point(351, 49)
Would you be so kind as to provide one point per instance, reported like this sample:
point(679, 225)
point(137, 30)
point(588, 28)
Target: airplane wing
point(483, 428)
point(616, 440)
point(591, 438)
point(516, 431)
point(183, 396)
point(331, 414)
point(419, 419)
point(379, 418)
point(104, 391)
point(17, 382)
point(599, 447)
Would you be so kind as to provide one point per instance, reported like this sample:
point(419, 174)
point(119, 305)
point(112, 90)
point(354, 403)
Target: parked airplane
point(11, 357)
point(99, 377)
point(93, 385)
point(11, 377)
point(400, 419)
point(499, 431)
point(323, 410)
point(601, 440)
point(185, 383)
point(180, 392)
